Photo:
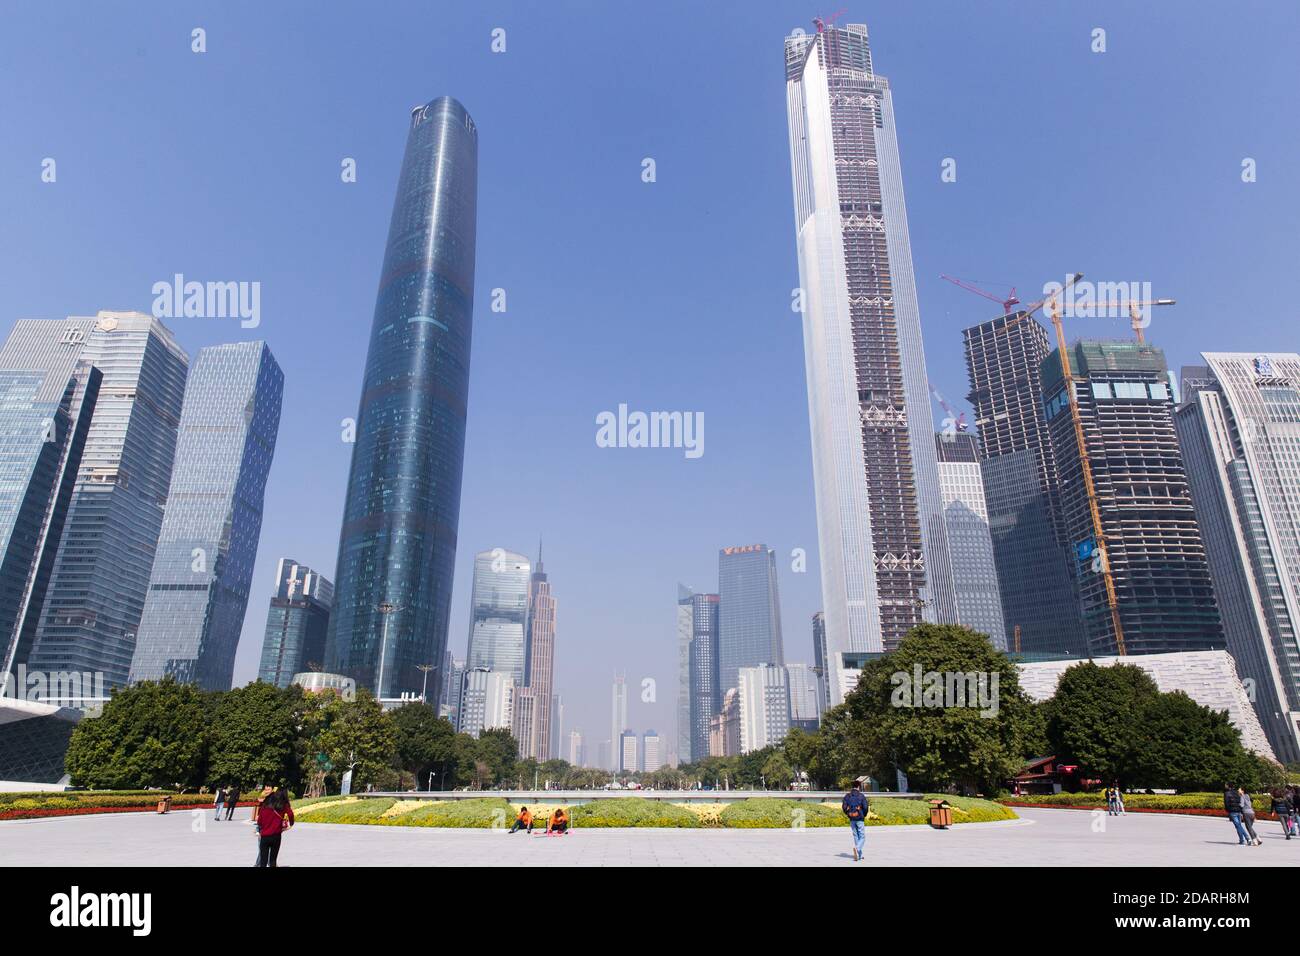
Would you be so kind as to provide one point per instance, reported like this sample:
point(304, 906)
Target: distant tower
point(749, 612)
point(296, 623)
point(541, 658)
point(974, 572)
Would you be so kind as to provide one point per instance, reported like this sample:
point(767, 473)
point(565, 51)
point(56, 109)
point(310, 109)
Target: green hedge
point(75, 800)
point(1141, 801)
point(481, 813)
point(632, 812)
point(774, 812)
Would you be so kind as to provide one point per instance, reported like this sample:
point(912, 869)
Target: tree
point(499, 751)
point(152, 734)
point(1095, 720)
point(424, 741)
point(254, 736)
point(358, 734)
point(777, 773)
point(946, 708)
point(1184, 746)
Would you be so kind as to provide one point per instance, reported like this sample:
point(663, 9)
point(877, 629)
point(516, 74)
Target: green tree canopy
point(254, 736)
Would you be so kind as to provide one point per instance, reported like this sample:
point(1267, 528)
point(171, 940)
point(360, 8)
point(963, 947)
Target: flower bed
point(27, 806)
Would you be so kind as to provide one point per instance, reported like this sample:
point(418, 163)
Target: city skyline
point(953, 229)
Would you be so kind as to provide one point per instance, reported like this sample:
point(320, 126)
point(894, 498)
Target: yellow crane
point(1053, 303)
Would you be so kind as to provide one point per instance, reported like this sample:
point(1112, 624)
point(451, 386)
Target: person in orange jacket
point(523, 822)
point(559, 822)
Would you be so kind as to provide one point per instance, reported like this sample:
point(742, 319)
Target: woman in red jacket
point(273, 818)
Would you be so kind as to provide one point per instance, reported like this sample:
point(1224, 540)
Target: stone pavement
point(1039, 838)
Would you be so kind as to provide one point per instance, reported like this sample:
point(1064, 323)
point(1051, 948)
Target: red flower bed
point(1186, 811)
point(80, 811)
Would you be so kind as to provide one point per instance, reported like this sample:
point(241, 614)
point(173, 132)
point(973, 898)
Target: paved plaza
point(1040, 837)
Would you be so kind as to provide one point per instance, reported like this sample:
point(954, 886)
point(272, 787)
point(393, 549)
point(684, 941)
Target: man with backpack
point(856, 807)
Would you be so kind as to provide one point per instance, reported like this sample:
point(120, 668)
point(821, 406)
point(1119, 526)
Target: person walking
point(523, 822)
point(1232, 806)
point(232, 801)
point(219, 802)
point(1294, 794)
point(1283, 809)
point(856, 807)
point(1111, 808)
point(273, 818)
point(1119, 799)
point(1248, 817)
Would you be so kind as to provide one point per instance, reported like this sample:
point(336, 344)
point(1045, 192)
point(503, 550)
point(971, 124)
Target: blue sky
point(672, 295)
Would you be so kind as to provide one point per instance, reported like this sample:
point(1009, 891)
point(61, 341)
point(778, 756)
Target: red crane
point(970, 286)
point(822, 22)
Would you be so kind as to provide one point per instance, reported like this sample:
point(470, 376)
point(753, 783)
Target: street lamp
point(424, 688)
point(386, 609)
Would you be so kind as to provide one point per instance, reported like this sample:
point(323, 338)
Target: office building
point(618, 721)
point(705, 693)
point(454, 681)
point(974, 573)
point(397, 546)
point(749, 611)
point(1239, 431)
point(487, 701)
point(100, 580)
point(724, 729)
point(884, 563)
point(203, 566)
point(650, 757)
point(498, 625)
point(684, 628)
point(627, 752)
point(524, 718)
point(1157, 561)
point(1004, 357)
point(541, 659)
point(557, 727)
point(576, 755)
point(296, 623)
point(764, 699)
point(820, 655)
point(805, 696)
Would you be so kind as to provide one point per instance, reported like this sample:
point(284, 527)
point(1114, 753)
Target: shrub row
point(1138, 801)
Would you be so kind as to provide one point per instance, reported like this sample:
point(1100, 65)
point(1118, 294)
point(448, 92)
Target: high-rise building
point(498, 623)
point(1157, 560)
point(47, 401)
point(975, 576)
point(749, 612)
point(397, 546)
point(1239, 430)
point(627, 752)
point(454, 683)
point(577, 755)
point(557, 726)
point(820, 656)
point(684, 627)
point(541, 659)
point(764, 698)
point(650, 757)
point(100, 579)
point(705, 693)
point(805, 696)
point(884, 563)
point(724, 729)
point(296, 623)
point(524, 717)
point(618, 721)
point(203, 568)
point(487, 701)
point(1004, 358)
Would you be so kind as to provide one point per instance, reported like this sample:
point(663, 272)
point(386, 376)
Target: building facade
point(397, 546)
point(684, 630)
point(1157, 560)
point(724, 729)
point(764, 702)
point(203, 566)
point(805, 696)
point(618, 721)
point(628, 758)
point(1004, 359)
point(651, 758)
point(749, 611)
point(296, 623)
point(705, 693)
point(487, 701)
point(884, 563)
point(970, 546)
point(1239, 430)
point(100, 578)
point(541, 659)
point(498, 625)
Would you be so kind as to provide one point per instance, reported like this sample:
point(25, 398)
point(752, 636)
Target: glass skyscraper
point(706, 698)
point(47, 399)
point(1239, 430)
point(296, 623)
point(540, 658)
point(203, 568)
point(749, 612)
point(975, 576)
point(499, 613)
point(101, 572)
point(397, 547)
point(880, 528)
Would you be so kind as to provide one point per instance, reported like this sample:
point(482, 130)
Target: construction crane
point(821, 23)
point(1133, 306)
point(959, 421)
point(970, 286)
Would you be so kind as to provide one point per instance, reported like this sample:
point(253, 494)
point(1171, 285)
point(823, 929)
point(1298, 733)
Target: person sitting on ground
point(559, 822)
point(523, 822)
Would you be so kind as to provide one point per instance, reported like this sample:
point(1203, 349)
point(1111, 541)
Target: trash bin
point(165, 804)
point(940, 814)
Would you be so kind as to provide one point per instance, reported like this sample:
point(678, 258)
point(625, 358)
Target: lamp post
point(386, 610)
point(424, 688)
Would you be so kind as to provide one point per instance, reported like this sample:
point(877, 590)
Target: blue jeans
point(1241, 831)
point(859, 830)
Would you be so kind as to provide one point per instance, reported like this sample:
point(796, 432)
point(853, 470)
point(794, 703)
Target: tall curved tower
point(397, 548)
